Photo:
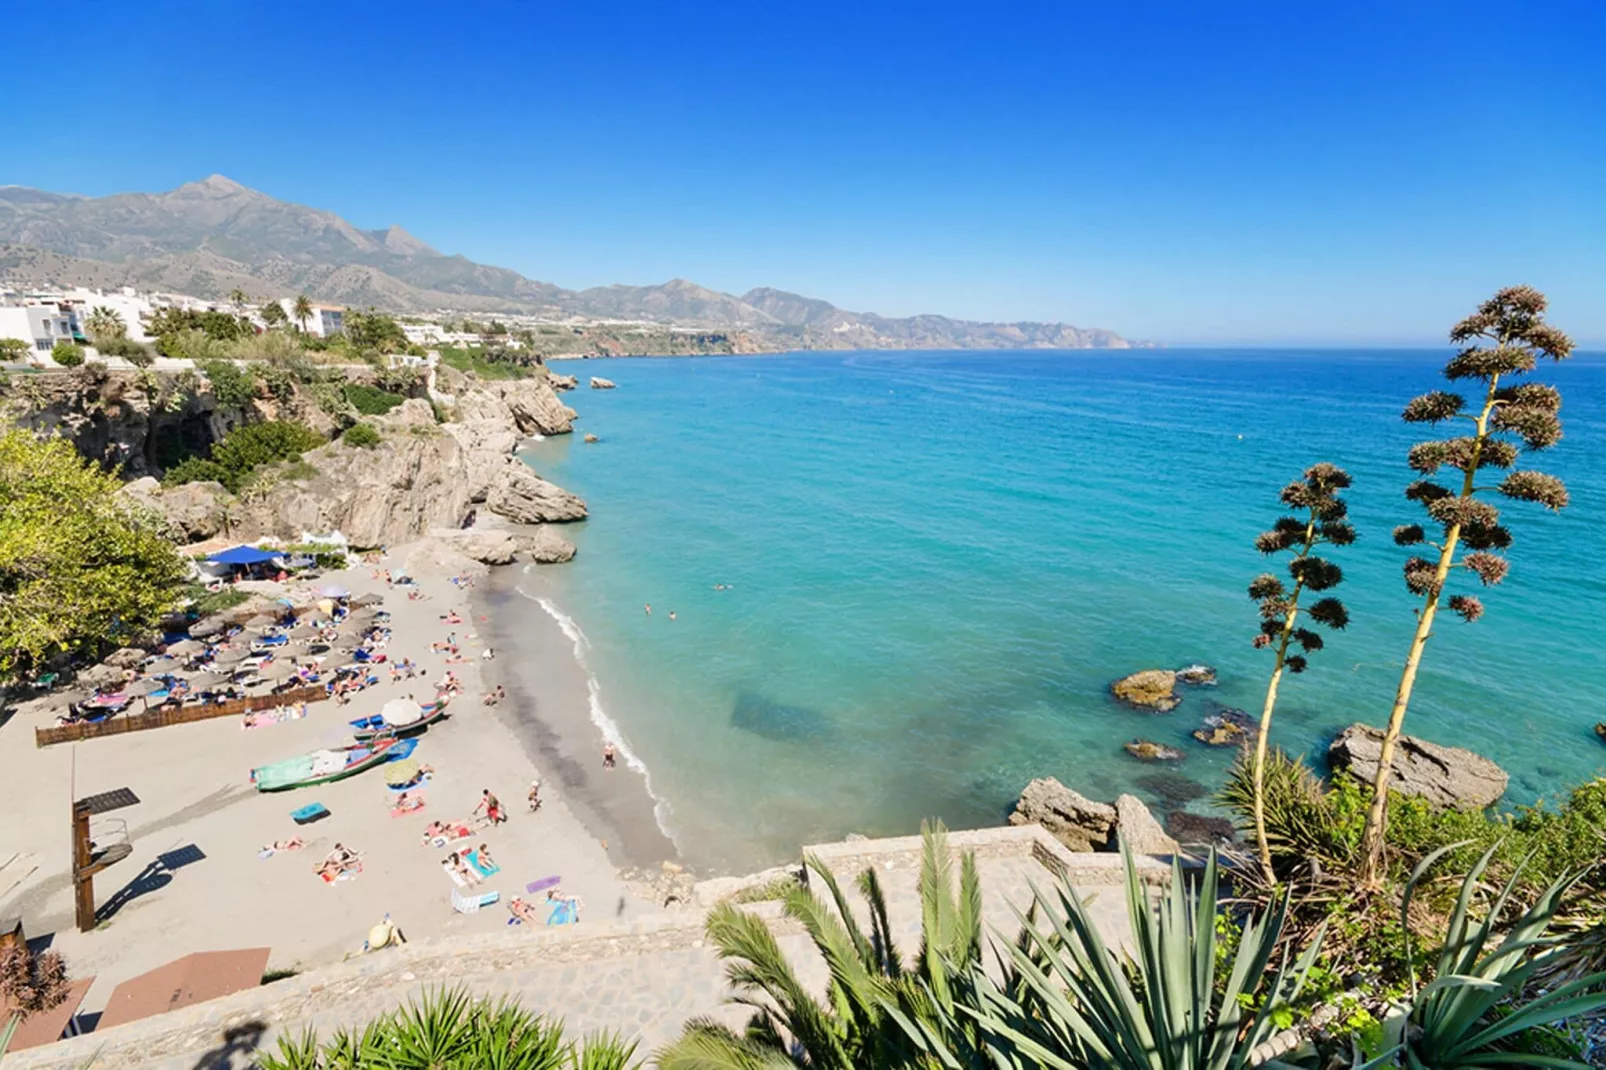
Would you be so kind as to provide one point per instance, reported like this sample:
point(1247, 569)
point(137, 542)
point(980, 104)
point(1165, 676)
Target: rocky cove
point(444, 455)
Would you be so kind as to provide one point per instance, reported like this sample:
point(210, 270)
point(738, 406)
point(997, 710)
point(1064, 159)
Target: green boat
point(322, 766)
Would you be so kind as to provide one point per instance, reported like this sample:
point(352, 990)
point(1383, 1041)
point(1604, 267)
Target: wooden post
point(83, 876)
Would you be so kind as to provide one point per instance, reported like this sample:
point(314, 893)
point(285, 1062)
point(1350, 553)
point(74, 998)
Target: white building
point(41, 326)
point(134, 310)
point(326, 320)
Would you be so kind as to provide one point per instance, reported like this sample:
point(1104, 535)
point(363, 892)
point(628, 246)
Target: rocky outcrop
point(1146, 750)
point(1139, 830)
point(486, 547)
point(1196, 675)
point(562, 382)
point(529, 405)
point(192, 511)
point(1151, 689)
point(592, 438)
point(1444, 776)
point(522, 496)
point(599, 383)
point(545, 546)
point(1075, 820)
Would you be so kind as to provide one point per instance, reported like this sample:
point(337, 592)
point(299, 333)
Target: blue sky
point(1187, 172)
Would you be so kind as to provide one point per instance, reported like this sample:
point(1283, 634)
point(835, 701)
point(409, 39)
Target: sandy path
point(195, 882)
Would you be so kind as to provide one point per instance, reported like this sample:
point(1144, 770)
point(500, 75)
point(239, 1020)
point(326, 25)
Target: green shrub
point(192, 344)
point(280, 381)
point(138, 354)
point(232, 387)
point(371, 400)
point(255, 445)
point(193, 470)
point(364, 436)
point(67, 354)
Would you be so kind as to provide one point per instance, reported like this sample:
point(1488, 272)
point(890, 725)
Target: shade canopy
point(368, 600)
point(244, 555)
point(185, 647)
point(192, 979)
point(334, 590)
point(400, 711)
point(148, 685)
point(161, 665)
point(278, 669)
point(101, 674)
point(262, 620)
point(204, 680)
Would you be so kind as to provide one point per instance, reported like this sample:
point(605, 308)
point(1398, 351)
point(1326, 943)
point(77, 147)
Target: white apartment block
point(326, 320)
point(134, 309)
point(41, 326)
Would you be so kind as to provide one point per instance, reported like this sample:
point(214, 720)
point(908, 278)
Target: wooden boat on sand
point(322, 766)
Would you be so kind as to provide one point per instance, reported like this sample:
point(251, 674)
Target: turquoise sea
point(937, 562)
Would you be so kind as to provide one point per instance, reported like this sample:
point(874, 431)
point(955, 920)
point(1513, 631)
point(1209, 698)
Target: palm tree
point(105, 324)
point(303, 311)
point(273, 314)
point(871, 990)
point(238, 298)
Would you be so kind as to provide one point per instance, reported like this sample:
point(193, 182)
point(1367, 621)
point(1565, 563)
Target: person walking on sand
point(610, 757)
point(492, 807)
point(535, 796)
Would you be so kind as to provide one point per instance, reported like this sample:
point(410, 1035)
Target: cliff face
point(422, 475)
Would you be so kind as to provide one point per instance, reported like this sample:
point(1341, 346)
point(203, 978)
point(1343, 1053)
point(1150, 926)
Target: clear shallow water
point(938, 562)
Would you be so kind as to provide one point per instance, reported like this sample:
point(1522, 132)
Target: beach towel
point(471, 904)
point(473, 859)
point(457, 878)
point(566, 912)
point(542, 885)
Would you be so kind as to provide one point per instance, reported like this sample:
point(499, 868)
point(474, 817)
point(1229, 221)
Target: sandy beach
point(195, 880)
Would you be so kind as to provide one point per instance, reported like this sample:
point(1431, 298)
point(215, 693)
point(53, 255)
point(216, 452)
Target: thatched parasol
point(161, 665)
point(365, 600)
point(210, 626)
point(203, 680)
point(185, 647)
point(145, 685)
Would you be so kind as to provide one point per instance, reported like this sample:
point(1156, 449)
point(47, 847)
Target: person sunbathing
point(434, 830)
point(341, 856)
point(452, 617)
point(524, 911)
point(294, 843)
point(464, 870)
point(484, 855)
point(408, 801)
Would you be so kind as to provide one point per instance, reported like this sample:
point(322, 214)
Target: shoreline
point(549, 712)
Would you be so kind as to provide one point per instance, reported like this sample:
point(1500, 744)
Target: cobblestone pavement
point(643, 978)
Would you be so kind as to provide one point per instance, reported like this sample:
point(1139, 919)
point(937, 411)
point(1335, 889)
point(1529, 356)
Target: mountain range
point(210, 237)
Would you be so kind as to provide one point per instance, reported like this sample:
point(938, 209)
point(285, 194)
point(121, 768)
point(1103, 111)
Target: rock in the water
point(1146, 750)
point(522, 496)
point(1151, 689)
point(1199, 829)
point(1216, 732)
point(546, 547)
point(562, 382)
point(1075, 820)
point(1196, 675)
point(1172, 789)
point(1444, 776)
point(599, 383)
point(1139, 830)
point(592, 438)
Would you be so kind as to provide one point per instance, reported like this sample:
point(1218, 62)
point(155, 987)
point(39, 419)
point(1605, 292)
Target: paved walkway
point(643, 977)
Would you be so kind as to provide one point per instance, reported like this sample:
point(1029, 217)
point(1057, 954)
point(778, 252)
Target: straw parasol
point(145, 685)
point(278, 669)
point(70, 697)
point(161, 665)
point(101, 674)
point(185, 647)
point(203, 680)
point(210, 626)
point(262, 620)
point(401, 772)
point(365, 600)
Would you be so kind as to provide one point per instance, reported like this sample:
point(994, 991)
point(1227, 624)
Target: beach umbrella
point(185, 647)
point(128, 657)
point(161, 665)
point(145, 685)
point(302, 630)
point(402, 772)
point(206, 627)
point(279, 669)
point(230, 657)
point(399, 711)
point(334, 590)
point(262, 620)
point(70, 698)
point(364, 600)
point(101, 674)
point(202, 681)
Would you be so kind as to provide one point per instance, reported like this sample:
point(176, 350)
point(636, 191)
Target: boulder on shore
point(599, 383)
point(546, 547)
point(1151, 689)
point(1146, 750)
point(1075, 820)
point(1445, 776)
point(192, 511)
point(1139, 830)
point(522, 496)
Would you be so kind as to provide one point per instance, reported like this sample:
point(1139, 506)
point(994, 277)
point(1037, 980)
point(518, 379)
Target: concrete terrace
point(642, 977)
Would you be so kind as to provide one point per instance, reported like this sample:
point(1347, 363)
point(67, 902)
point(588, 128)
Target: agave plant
point(1476, 1010)
point(450, 1031)
point(873, 993)
point(1067, 1000)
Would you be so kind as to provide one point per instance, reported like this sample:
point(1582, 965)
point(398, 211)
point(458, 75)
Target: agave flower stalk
point(1504, 339)
point(1321, 520)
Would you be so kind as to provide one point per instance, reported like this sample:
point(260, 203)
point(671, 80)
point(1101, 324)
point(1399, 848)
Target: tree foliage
point(13, 350)
point(232, 386)
point(374, 330)
point(223, 326)
point(105, 324)
point(362, 435)
point(67, 354)
point(371, 400)
point(273, 314)
point(78, 567)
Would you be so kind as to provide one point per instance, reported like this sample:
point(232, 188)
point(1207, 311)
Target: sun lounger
point(471, 904)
